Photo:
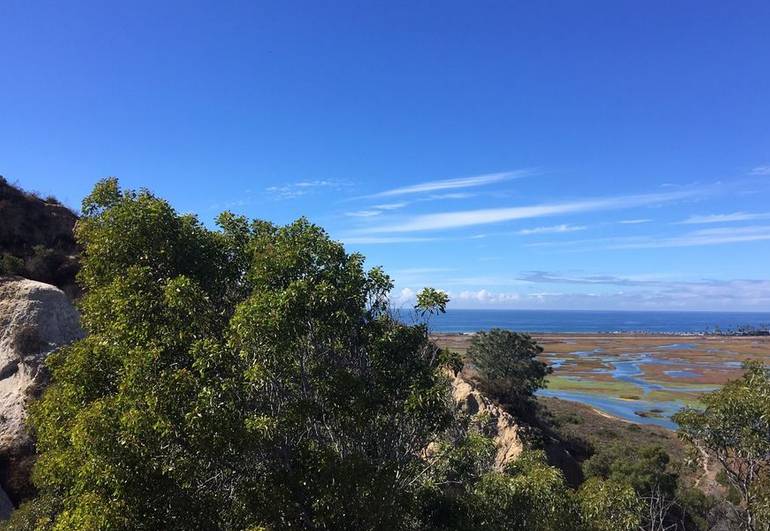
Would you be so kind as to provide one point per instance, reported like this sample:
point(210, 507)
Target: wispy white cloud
point(403, 297)
point(546, 277)
point(599, 291)
point(451, 220)
point(450, 184)
point(482, 280)
point(760, 170)
point(716, 236)
point(452, 195)
point(729, 295)
point(629, 293)
point(419, 270)
point(725, 218)
point(391, 206)
point(660, 292)
point(553, 229)
point(363, 213)
point(379, 240)
point(484, 296)
point(634, 221)
point(375, 210)
point(300, 188)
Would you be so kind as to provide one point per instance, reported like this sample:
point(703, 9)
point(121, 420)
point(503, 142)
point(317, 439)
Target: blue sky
point(593, 155)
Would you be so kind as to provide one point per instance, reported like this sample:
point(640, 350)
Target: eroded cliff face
point(35, 319)
point(497, 422)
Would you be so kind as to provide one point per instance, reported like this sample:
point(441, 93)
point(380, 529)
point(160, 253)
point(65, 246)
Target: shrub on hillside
point(508, 366)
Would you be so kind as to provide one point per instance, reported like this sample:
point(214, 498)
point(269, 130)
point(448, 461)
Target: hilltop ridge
point(36, 238)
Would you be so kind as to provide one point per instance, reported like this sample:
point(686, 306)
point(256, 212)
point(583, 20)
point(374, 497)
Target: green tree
point(231, 379)
point(529, 496)
point(609, 506)
point(141, 415)
point(647, 470)
point(507, 364)
point(734, 429)
point(348, 398)
point(431, 301)
point(252, 377)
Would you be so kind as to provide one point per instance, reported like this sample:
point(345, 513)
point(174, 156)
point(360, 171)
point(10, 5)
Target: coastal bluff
point(35, 320)
point(500, 425)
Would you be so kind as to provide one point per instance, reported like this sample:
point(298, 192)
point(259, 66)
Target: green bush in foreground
point(734, 429)
point(251, 377)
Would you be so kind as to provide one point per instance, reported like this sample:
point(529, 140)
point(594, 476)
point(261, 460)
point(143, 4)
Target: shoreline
point(588, 335)
point(622, 374)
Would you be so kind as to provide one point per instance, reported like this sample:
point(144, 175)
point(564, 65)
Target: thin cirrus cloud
point(301, 188)
point(378, 240)
point(547, 277)
point(634, 221)
point(704, 237)
point(465, 182)
point(725, 290)
point(452, 184)
point(555, 229)
point(467, 218)
point(363, 213)
point(760, 170)
point(391, 206)
point(725, 218)
point(375, 210)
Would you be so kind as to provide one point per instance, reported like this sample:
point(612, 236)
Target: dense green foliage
point(508, 366)
point(646, 469)
point(734, 429)
point(610, 505)
point(231, 379)
point(666, 502)
point(252, 377)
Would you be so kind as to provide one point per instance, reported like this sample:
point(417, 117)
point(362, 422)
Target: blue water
point(627, 370)
point(593, 321)
point(624, 409)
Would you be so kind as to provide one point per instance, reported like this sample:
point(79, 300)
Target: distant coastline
point(671, 323)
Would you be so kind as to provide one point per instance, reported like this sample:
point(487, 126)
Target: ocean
point(668, 322)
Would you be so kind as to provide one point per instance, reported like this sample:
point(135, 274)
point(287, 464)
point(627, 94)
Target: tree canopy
point(252, 377)
point(508, 366)
point(734, 429)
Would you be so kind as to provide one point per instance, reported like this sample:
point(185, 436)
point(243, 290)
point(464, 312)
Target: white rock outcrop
point(35, 319)
point(501, 424)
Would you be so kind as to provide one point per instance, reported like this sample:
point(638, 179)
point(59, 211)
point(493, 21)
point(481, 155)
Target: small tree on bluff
point(507, 364)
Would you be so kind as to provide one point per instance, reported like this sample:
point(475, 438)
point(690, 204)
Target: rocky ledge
point(35, 319)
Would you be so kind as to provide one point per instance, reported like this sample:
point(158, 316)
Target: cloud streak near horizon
point(467, 218)
point(552, 230)
point(623, 230)
point(725, 218)
point(704, 237)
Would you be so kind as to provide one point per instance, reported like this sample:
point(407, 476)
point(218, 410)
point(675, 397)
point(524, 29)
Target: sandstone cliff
point(35, 319)
point(498, 423)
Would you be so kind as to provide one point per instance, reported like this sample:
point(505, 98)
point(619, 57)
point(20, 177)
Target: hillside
point(36, 238)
